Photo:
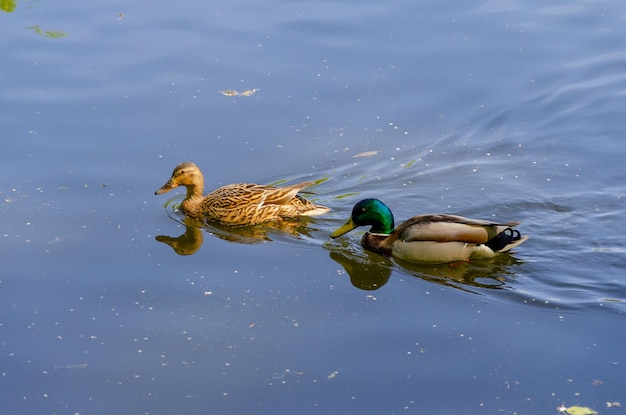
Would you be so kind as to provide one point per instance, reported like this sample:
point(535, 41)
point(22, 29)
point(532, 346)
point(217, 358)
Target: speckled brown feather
point(239, 204)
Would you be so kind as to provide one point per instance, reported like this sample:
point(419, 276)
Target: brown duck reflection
point(187, 243)
point(369, 271)
point(191, 240)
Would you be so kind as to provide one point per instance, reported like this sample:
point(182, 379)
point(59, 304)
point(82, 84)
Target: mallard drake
point(239, 204)
point(435, 238)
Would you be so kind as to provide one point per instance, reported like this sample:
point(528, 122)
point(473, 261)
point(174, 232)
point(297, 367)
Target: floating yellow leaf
point(580, 410)
point(7, 5)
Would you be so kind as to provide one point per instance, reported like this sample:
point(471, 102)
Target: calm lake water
point(498, 109)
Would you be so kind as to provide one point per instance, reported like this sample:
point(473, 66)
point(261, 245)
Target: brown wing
point(234, 196)
point(237, 195)
point(282, 195)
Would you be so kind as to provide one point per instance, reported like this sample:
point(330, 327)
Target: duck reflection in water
point(368, 271)
point(190, 241)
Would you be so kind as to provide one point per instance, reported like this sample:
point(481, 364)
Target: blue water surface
point(501, 110)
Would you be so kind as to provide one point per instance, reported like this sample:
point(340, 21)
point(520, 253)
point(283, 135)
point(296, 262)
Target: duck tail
point(318, 210)
point(506, 240)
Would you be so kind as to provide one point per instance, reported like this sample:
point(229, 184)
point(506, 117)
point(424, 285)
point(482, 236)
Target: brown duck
point(239, 204)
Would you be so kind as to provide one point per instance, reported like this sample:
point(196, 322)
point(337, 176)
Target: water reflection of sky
point(500, 110)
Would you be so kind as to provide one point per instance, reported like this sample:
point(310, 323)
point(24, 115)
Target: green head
point(370, 212)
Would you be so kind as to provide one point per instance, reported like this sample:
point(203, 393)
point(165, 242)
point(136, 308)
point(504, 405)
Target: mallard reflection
point(491, 273)
point(365, 273)
point(369, 271)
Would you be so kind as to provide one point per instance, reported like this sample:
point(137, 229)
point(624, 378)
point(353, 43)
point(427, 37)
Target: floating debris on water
point(333, 374)
point(278, 376)
point(577, 410)
point(50, 34)
point(229, 93)
point(366, 154)
point(76, 366)
point(249, 92)
point(233, 93)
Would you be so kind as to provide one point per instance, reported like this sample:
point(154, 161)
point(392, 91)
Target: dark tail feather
point(503, 239)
